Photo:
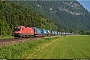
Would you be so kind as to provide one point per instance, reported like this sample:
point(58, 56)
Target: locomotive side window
point(17, 28)
point(22, 28)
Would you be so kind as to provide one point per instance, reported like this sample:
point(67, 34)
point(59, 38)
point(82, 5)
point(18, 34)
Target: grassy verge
point(4, 37)
point(20, 50)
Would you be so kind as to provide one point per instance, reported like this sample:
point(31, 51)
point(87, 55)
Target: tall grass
point(4, 37)
point(16, 51)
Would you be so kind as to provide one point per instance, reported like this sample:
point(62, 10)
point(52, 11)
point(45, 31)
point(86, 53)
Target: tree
point(1, 5)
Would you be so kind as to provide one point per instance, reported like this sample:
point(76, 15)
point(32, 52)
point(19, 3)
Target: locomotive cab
point(17, 31)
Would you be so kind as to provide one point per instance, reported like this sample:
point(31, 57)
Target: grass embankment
point(68, 47)
point(22, 49)
point(4, 37)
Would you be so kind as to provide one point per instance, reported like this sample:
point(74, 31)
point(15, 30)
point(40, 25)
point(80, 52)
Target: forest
point(12, 15)
point(67, 15)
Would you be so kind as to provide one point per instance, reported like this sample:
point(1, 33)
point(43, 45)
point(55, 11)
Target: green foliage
point(17, 51)
point(1, 5)
point(14, 15)
point(5, 37)
point(62, 13)
point(84, 32)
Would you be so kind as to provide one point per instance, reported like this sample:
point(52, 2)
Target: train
point(23, 31)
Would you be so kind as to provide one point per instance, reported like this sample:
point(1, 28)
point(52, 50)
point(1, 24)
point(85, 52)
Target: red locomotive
point(22, 31)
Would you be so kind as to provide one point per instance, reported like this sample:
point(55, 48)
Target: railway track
point(9, 41)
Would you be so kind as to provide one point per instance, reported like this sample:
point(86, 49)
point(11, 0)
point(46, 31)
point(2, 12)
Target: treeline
point(83, 32)
point(14, 15)
point(67, 15)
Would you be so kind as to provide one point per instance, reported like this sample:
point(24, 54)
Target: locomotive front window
point(17, 28)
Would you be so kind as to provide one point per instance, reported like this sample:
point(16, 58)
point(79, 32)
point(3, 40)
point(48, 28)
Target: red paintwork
point(27, 30)
point(24, 31)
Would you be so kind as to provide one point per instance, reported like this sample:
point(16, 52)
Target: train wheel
point(27, 36)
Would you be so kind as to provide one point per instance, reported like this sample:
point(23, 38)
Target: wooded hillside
point(68, 15)
point(14, 15)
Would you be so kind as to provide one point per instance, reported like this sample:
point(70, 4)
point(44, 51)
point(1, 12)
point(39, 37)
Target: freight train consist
point(22, 31)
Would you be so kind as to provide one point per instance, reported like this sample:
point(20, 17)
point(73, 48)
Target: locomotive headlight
point(19, 32)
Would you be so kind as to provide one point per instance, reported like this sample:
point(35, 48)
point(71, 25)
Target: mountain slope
point(68, 15)
point(14, 15)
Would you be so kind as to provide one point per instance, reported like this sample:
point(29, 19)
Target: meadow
point(60, 47)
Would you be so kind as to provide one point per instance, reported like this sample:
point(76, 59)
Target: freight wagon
point(39, 32)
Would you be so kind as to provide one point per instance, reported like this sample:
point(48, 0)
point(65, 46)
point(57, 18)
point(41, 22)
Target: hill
point(14, 15)
point(67, 15)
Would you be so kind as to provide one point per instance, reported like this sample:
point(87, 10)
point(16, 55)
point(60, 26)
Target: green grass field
point(68, 47)
point(63, 47)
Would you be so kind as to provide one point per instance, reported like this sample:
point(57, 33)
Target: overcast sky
point(85, 3)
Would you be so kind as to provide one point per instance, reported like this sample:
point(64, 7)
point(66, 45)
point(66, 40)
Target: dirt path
point(9, 41)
